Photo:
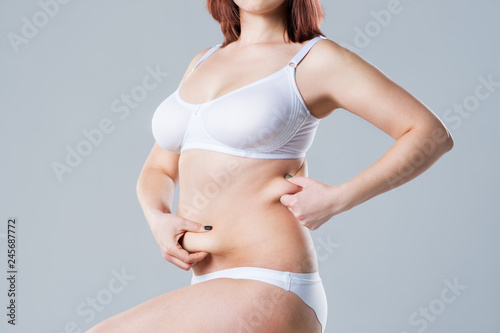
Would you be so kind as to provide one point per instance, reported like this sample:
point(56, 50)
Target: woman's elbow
point(434, 136)
point(442, 137)
point(447, 141)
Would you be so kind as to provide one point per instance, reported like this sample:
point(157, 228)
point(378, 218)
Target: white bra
point(264, 119)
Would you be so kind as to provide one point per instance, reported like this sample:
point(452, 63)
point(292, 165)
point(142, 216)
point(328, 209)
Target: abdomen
point(240, 198)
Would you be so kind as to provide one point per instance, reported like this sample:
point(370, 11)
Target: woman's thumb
point(196, 227)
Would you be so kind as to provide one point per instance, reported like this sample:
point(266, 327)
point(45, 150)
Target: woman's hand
point(315, 203)
point(167, 230)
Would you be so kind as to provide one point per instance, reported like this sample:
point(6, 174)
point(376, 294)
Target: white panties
point(307, 286)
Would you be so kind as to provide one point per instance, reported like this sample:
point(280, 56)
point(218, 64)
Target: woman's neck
point(266, 27)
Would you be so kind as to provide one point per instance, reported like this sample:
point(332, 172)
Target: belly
point(240, 198)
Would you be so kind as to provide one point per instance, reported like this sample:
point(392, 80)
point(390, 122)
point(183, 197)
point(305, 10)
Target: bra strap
point(302, 53)
point(205, 56)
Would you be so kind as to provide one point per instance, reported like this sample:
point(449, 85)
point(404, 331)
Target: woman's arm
point(349, 82)
point(155, 192)
point(157, 181)
point(421, 138)
point(159, 175)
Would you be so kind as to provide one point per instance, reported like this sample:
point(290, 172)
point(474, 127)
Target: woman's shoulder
point(329, 61)
point(328, 53)
point(198, 57)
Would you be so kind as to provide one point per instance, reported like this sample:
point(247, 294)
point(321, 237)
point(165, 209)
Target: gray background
point(380, 262)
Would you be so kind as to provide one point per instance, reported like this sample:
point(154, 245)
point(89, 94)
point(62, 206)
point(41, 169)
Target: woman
point(234, 136)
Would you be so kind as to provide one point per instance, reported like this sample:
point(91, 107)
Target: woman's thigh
point(219, 305)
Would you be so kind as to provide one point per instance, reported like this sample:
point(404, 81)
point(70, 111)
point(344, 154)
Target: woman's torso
point(240, 196)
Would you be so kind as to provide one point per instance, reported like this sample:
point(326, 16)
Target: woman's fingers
point(168, 230)
point(177, 262)
point(185, 256)
point(288, 200)
point(180, 254)
point(188, 225)
point(315, 204)
point(181, 258)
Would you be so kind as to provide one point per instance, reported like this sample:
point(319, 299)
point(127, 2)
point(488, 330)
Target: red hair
point(301, 22)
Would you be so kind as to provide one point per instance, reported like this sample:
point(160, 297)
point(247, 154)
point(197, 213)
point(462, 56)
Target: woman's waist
point(241, 224)
point(266, 236)
point(231, 197)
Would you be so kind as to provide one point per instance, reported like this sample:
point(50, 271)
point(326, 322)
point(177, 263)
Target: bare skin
point(219, 305)
point(259, 218)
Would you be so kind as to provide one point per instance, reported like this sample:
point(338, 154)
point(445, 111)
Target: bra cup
point(304, 138)
point(264, 119)
point(169, 124)
point(261, 118)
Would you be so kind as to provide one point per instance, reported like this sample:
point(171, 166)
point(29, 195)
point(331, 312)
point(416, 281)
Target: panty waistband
point(279, 278)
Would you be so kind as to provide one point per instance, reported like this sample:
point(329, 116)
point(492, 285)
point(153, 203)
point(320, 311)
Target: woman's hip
point(307, 286)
